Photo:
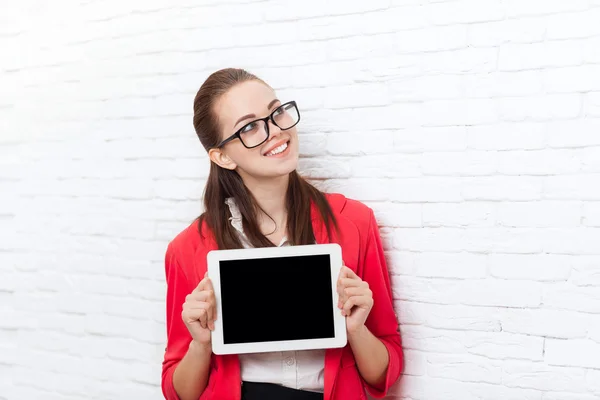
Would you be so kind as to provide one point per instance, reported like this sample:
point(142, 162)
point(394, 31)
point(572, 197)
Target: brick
point(529, 267)
point(514, 83)
point(572, 240)
point(395, 116)
point(568, 396)
point(573, 25)
point(430, 139)
point(384, 165)
point(479, 240)
point(566, 296)
point(540, 214)
point(507, 136)
point(493, 345)
point(357, 96)
point(367, 190)
point(466, 60)
point(593, 380)
point(573, 353)
point(461, 318)
point(325, 28)
point(460, 112)
point(572, 187)
point(292, 11)
point(573, 133)
point(536, 108)
point(543, 377)
point(470, 214)
point(544, 322)
point(422, 388)
point(591, 214)
point(315, 169)
point(415, 363)
point(591, 104)
point(464, 11)
point(461, 368)
point(397, 214)
point(591, 50)
point(516, 56)
point(449, 265)
point(544, 162)
point(393, 19)
point(432, 39)
point(430, 189)
point(585, 270)
point(572, 79)
point(469, 163)
point(429, 87)
point(502, 188)
point(521, 30)
point(358, 47)
point(367, 145)
point(515, 8)
point(476, 292)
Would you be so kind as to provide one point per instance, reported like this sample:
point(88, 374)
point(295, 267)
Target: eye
point(249, 128)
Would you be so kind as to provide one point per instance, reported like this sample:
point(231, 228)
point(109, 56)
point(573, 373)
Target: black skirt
point(269, 391)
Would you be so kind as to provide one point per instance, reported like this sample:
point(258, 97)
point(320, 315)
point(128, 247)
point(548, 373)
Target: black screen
point(273, 299)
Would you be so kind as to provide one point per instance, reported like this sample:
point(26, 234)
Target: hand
point(355, 299)
point(200, 312)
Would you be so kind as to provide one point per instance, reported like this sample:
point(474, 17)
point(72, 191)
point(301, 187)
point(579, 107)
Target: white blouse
point(295, 369)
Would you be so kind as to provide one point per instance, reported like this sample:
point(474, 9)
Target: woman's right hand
point(200, 312)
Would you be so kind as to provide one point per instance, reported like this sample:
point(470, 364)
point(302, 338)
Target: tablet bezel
point(339, 321)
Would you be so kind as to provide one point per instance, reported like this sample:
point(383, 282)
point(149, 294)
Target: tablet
point(276, 299)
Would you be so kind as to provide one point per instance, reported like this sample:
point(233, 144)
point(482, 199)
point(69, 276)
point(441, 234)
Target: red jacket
point(185, 265)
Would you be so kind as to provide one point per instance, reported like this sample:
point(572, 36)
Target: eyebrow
point(254, 115)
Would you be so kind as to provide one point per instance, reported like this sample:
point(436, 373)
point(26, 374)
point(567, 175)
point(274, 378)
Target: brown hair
point(223, 183)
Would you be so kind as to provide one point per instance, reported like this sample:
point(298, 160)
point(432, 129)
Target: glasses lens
point(286, 116)
point(254, 133)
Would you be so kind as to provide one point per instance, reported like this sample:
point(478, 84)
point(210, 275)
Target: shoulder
point(354, 211)
point(186, 242)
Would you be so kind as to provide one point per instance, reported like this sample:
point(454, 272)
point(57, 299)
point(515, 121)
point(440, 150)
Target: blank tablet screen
point(274, 299)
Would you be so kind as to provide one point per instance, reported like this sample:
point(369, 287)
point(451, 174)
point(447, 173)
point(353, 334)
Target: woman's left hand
point(355, 299)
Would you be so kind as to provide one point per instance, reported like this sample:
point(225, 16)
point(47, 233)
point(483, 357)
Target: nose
point(274, 130)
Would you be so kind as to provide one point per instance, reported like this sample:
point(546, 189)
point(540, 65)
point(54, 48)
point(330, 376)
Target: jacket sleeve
point(382, 321)
point(178, 337)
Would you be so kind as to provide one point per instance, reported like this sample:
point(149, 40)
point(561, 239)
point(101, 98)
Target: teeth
point(277, 150)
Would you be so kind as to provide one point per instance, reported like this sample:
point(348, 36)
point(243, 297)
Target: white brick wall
point(472, 127)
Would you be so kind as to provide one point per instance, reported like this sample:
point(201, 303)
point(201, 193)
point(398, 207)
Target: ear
point(221, 159)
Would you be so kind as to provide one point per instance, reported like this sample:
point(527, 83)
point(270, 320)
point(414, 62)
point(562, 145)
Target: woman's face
point(241, 105)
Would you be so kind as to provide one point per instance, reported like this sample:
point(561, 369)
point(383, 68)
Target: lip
point(275, 145)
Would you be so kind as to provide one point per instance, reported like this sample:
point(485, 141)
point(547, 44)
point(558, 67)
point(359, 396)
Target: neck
point(270, 194)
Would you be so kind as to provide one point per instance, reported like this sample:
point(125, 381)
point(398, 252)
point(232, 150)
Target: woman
point(254, 197)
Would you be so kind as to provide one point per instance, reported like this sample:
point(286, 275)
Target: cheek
point(243, 157)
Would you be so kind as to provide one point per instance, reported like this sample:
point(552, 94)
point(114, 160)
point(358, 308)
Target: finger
point(342, 284)
point(357, 291)
point(344, 272)
point(350, 274)
point(208, 284)
point(203, 296)
point(210, 308)
point(195, 315)
point(200, 286)
point(348, 282)
point(348, 305)
point(203, 308)
point(358, 301)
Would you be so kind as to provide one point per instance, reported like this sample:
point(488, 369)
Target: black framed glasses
point(255, 133)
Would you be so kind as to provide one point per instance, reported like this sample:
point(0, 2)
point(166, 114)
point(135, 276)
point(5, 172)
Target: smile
point(278, 150)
